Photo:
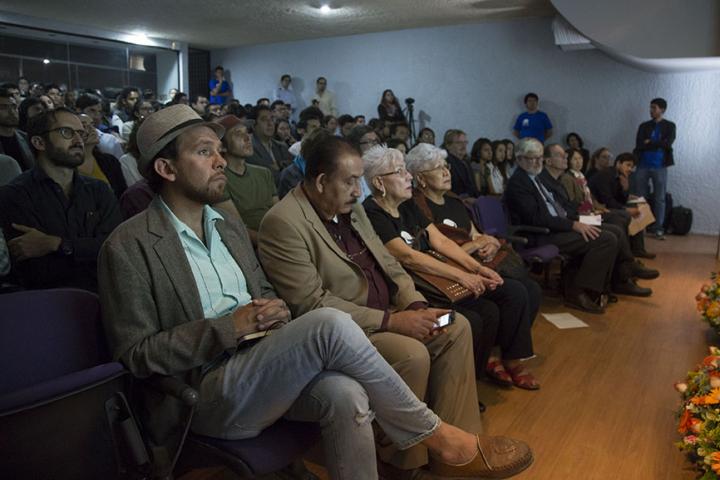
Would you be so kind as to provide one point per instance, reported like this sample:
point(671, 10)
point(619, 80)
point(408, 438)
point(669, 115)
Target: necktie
point(559, 210)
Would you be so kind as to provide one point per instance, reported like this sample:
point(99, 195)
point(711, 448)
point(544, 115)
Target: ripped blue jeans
point(319, 368)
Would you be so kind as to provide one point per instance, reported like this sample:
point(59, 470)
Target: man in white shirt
point(325, 98)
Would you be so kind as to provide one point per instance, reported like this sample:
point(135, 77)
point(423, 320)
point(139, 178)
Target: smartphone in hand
point(444, 320)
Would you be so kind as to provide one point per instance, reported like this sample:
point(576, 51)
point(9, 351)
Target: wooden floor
point(607, 405)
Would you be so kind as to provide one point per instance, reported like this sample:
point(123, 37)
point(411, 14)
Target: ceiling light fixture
point(140, 38)
point(325, 9)
point(46, 61)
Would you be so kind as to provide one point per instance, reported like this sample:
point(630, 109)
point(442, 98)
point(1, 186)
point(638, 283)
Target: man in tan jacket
point(319, 249)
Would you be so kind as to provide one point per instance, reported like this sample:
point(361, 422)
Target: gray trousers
point(318, 368)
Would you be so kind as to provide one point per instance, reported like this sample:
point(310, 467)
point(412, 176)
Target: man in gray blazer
point(181, 289)
point(268, 152)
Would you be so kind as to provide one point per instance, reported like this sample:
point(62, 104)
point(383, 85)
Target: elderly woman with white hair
point(499, 312)
point(434, 198)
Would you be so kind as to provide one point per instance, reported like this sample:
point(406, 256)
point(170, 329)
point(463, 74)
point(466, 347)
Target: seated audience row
point(360, 338)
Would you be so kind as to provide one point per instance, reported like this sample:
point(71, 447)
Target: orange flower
point(713, 310)
point(711, 398)
point(685, 422)
point(715, 461)
point(711, 361)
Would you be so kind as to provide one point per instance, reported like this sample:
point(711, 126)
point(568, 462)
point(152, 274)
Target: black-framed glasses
point(68, 132)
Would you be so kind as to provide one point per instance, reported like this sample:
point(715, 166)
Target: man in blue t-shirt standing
point(533, 123)
point(653, 147)
point(219, 88)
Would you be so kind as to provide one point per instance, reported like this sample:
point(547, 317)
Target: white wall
point(475, 76)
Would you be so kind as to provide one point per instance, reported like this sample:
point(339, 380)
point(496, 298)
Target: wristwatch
point(65, 249)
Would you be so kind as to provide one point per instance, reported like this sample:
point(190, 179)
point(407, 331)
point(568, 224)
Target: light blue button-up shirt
point(219, 279)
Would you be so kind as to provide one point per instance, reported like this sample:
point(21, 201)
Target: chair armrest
point(516, 240)
point(173, 387)
point(528, 229)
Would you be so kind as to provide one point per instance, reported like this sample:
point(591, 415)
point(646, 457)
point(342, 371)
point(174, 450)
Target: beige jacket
point(309, 270)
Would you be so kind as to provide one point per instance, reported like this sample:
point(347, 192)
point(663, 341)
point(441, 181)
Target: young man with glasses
point(55, 219)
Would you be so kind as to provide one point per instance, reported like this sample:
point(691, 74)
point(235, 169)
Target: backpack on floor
point(680, 220)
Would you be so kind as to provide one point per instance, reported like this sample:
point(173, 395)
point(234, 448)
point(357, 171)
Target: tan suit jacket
point(309, 270)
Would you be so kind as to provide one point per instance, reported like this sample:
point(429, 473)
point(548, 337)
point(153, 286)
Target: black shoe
point(631, 288)
point(612, 298)
point(641, 271)
point(481, 407)
point(582, 301)
point(645, 254)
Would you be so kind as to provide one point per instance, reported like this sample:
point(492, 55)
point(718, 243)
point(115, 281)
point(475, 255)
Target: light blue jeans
point(658, 177)
point(320, 368)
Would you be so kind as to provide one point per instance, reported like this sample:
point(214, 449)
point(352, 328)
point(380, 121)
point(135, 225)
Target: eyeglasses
point(8, 106)
point(443, 166)
point(370, 142)
point(532, 159)
point(67, 133)
point(398, 171)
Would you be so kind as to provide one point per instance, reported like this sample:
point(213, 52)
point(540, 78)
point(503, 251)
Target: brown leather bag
point(506, 261)
point(438, 288)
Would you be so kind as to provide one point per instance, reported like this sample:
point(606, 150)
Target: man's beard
point(206, 196)
point(63, 158)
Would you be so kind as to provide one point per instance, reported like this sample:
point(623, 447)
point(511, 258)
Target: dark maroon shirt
point(350, 242)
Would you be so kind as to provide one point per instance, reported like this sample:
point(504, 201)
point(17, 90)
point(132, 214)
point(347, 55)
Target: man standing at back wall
point(533, 123)
point(325, 98)
point(653, 147)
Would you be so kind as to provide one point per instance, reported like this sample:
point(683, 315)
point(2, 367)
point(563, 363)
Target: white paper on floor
point(564, 320)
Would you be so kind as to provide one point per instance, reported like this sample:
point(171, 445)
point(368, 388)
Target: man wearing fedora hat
point(181, 289)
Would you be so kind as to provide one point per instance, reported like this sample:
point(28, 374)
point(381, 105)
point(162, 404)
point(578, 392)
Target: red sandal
point(521, 378)
point(496, 372)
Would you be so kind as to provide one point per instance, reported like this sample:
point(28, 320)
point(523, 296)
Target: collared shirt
point(220, 281)
point(286, 95)
point(326, 102)
point(352, 245)
point(83, 221)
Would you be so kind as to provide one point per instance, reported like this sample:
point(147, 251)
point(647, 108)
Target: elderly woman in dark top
point(498, 303)
point(438, 203)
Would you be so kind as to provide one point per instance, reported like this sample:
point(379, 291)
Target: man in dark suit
point(268, 152)
point(653, 147)
point(181, 289)
point(531, 203)
point(615, 222)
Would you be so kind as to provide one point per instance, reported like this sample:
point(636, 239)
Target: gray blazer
point(262, 157)
point(152, 311)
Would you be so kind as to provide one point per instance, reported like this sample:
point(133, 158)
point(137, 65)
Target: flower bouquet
point(700, 416)
point(708, 302)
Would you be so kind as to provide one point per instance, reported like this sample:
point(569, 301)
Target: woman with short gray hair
point(499, 310)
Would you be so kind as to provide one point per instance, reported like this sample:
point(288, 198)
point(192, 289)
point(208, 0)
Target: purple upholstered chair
point(274, 449)
point(488, 214)
point(62, 411)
